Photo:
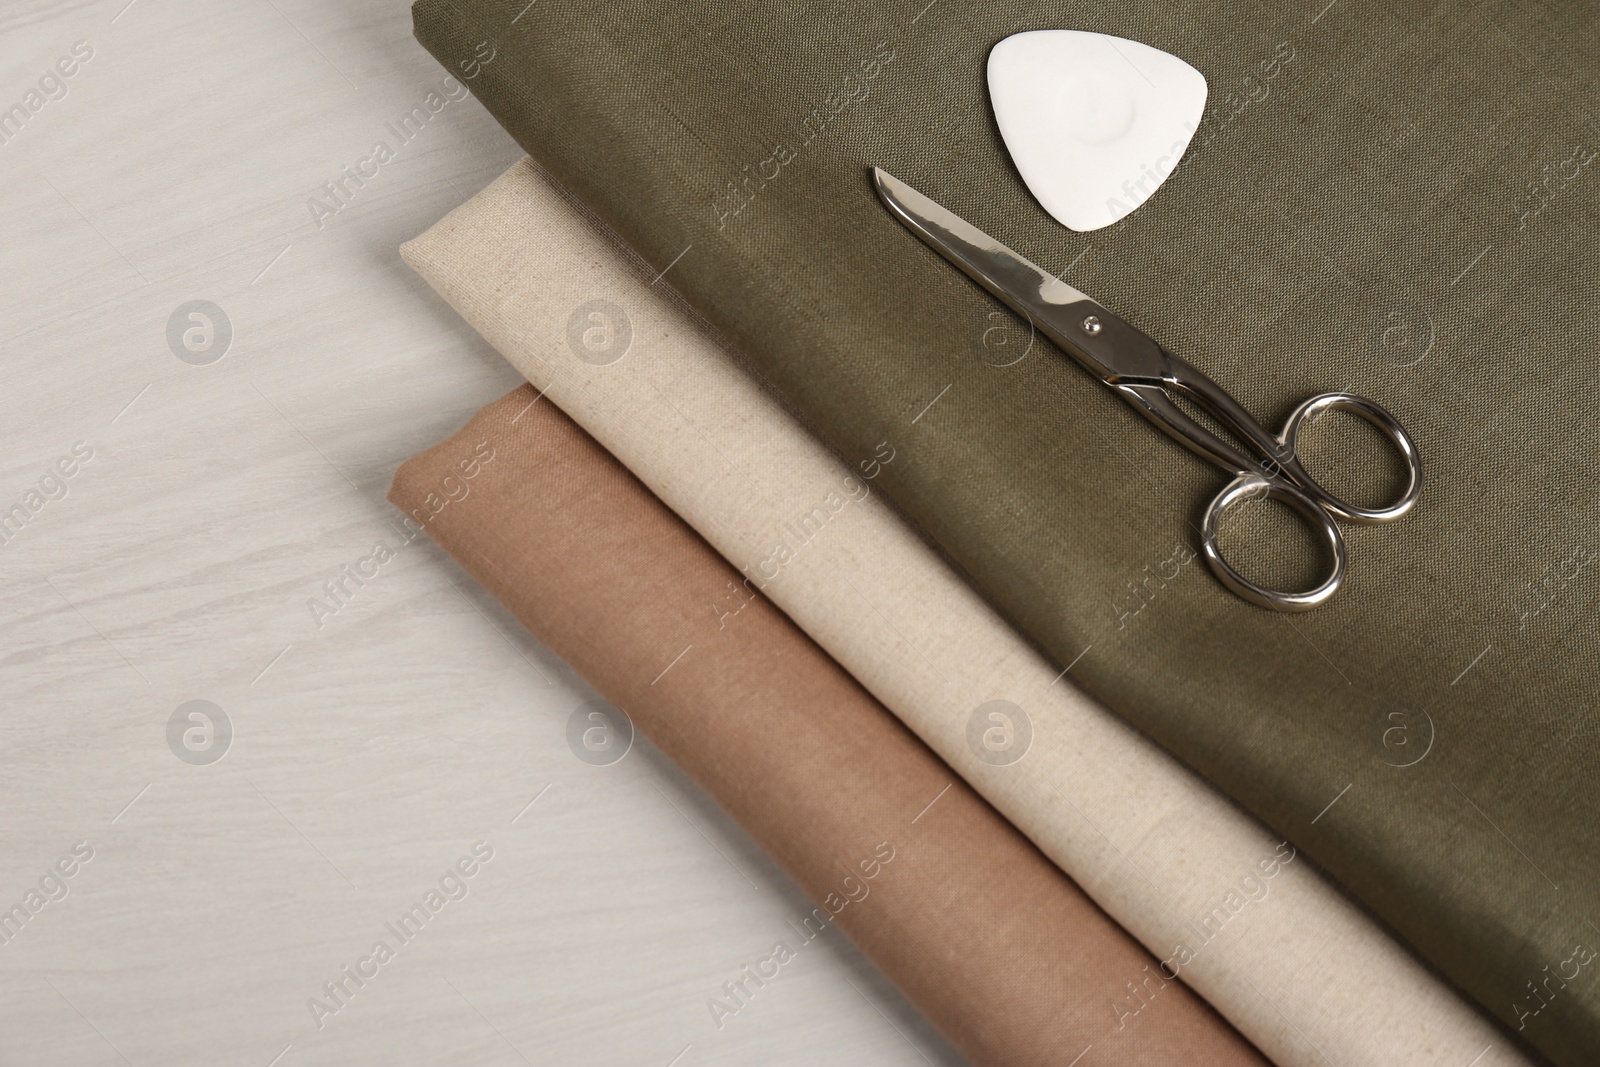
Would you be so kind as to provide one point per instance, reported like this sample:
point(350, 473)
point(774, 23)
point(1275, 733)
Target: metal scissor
point(1144, 374)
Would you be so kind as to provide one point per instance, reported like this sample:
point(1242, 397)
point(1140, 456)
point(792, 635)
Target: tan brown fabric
point(1001, 951)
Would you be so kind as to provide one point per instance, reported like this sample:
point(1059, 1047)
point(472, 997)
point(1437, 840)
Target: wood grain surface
point(188, 487)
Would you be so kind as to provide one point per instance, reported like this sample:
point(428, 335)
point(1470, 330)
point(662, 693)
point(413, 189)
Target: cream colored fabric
point(1299, 970)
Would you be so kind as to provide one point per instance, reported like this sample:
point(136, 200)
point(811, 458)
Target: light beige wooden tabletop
point(207, 381)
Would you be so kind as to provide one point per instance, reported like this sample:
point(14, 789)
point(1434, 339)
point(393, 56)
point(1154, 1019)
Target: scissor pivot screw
point(1091, 325)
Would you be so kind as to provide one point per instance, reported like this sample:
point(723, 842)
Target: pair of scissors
point(1146, 376)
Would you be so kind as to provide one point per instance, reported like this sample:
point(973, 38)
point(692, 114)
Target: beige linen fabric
point(1300, 971)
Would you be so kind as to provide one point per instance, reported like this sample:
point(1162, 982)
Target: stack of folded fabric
point(1477, 853)
point(967, 918)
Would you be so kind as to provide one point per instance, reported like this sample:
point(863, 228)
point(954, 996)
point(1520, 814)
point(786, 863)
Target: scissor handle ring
point(1252, 486)
point(1386, 423)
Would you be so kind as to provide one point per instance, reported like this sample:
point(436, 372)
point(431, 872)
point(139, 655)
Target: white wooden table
point(240, 865)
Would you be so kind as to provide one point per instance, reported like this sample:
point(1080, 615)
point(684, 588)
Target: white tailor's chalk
point(1093, 123)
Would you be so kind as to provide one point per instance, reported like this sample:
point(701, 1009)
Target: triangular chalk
point(1094, 123)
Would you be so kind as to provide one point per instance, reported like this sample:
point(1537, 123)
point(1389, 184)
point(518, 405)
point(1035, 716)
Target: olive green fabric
point(1391, 198)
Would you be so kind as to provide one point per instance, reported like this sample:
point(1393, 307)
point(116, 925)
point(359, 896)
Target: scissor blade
point(1113, 351)
point(1012, 277)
